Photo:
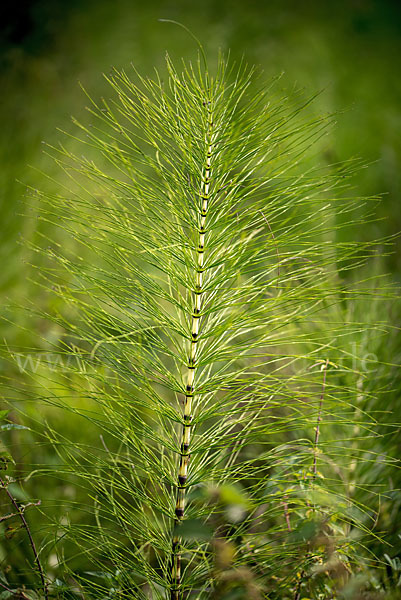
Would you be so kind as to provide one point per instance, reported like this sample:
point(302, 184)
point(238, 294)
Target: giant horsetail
point(196, 316)
point(205, 293)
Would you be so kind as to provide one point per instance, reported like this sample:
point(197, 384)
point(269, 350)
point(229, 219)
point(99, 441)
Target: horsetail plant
point(204, 290)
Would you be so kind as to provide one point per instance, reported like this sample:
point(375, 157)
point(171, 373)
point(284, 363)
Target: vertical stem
point(286, 513)
point(355, 434)
point(197, 297)
point(319, 418)
point(31, 540)
point(302, 576)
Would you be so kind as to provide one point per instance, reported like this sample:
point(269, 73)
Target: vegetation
point(216, 336)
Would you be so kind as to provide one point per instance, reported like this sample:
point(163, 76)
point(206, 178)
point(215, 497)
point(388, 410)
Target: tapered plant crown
point(206, 295)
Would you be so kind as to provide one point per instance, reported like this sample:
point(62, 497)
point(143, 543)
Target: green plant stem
point(303, 574)
point(287, 513)
point(197, 298)
point(319, 418)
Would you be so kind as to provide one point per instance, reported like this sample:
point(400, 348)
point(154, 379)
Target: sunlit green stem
point(197, 297)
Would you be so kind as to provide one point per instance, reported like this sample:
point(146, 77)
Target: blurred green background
point(349, 50)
